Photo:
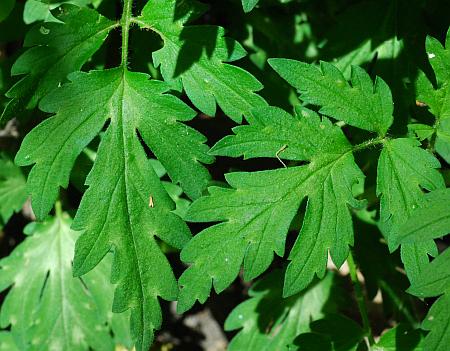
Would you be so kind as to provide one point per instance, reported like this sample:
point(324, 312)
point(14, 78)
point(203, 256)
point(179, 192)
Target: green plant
point(351, 165)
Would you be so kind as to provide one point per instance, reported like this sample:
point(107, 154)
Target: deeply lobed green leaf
point(362, 104)
point(257, 212)
point(197, 58)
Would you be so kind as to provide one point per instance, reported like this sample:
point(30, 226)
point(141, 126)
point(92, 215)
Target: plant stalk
point(360, 299)
point(125, 22)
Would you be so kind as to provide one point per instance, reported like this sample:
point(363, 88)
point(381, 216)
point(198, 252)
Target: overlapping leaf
point(12, 189)
point(404, 169)
point(257, 212)
point(126, 205)
point(198, 56)
point(56, 49)
point(433, 281)
point(362, 104)
point(46, 307)
point(438, 98)
point(268, 322)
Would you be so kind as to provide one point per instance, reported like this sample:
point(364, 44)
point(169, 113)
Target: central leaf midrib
point(121, 129)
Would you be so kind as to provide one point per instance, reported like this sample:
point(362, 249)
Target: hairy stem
point(360, 299)
point(125, 22)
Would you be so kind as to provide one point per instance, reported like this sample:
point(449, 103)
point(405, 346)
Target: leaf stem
point(369, 143)
point(58, 209)
point(125, 22)
point(360, 298)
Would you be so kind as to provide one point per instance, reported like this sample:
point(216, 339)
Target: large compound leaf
point(433, 281)
point(46, 307)
point(56, 49)
point(12, 189)
point(270, 323)
point(362, 103)
point(197, 57)
point(126, 205)
point(404, 169)
point(438, 98)
point(256, 213)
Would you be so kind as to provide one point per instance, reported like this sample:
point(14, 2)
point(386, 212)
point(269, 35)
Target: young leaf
point(438, 99)
point(126, 205)
point(12, 189)
point(46, 307)
point(362, 104)
point(56, 49)
point(428, 222)
point(257, 212)
point(198, 56)
point(434, 280)
point(403, 170)
point(269, 322)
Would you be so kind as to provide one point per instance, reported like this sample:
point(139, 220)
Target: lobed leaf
point(126, 204)
point(55, 50)
point(268, 322)
point(197, 57)
point(362, 104)
point(404, 169)
point(46, 307)
point(257, 211)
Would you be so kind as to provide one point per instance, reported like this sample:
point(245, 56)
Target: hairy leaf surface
point(198, 56)
point(257, 211)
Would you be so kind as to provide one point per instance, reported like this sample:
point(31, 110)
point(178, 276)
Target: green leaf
point(434, 280)
point(343, 333)
point(41, 10)
point(12, 189)
point(257, 211)
point(6, 6)
point(56, 49)
point(268, 322)
point(126, 205)
point(46, 307)
point(404, 169)
point(400, 338)
point(197, 57)
point(362, 104)
point(428, 222)
point(7, 342)
point(248, 5)
point(438, 98)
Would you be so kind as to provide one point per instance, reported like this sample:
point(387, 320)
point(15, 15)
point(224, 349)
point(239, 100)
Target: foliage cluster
point(309, 156)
